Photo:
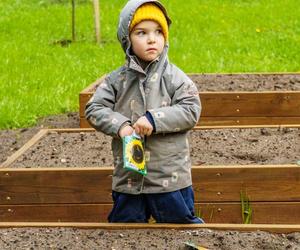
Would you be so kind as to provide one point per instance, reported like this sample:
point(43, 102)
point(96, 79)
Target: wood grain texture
point(249, 104)
point(236, 121)
point(86, 94)
point(262, 183)
point(263, 212)
point(55, 213)
point(93, 185)
point(45, 186)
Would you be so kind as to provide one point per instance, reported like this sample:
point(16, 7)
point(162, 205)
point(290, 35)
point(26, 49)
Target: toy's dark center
point(137, 153)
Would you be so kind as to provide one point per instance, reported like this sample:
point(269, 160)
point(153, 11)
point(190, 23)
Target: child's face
point(147, 40)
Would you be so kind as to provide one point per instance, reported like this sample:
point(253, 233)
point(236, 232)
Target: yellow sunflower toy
point(133, 154)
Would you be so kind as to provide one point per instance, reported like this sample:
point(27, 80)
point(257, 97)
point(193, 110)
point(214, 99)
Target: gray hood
point(126, 16)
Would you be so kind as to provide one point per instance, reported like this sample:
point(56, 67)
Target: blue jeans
point(172, 207)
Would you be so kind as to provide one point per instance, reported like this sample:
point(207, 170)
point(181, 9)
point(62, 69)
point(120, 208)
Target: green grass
point(39, 77)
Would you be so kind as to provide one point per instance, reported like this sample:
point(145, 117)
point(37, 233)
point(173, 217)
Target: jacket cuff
point(151, 120)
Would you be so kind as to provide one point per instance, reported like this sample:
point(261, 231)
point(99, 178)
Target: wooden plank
point(60, 185)
point(247, 126)
point(86, 94)
point(231, 121)
point(83, 100)
point(55, 213)
point(72, 130)
point(83, 123)
point(244, 104)
point(263, 212)
point(93, 185)
point(192, 74)
point(278, 182)
point(24, 148)
point(279, 228)
point(91, 87)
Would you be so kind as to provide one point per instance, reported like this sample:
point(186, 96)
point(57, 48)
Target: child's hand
point(143, 127)
point(126, 130)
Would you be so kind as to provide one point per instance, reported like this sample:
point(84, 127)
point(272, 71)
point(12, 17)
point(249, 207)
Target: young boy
point(158, 101)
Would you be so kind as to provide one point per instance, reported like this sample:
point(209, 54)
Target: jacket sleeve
point(182, 114)
point(100, 113)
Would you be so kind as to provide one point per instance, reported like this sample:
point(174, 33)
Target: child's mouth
point(151, 50)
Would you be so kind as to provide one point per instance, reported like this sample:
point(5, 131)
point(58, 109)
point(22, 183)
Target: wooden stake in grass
point(246, 208)
point(73, 21)
point(97, 20)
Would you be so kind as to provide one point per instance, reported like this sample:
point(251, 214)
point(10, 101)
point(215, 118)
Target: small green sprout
point(246, 208)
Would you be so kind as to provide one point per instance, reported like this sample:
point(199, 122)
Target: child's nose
point(151, 38)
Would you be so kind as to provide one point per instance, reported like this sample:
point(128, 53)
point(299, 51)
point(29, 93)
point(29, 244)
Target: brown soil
point(12, 140)
point(208, 147)
point(68, 238)
point(261, 146)
point(247, 82)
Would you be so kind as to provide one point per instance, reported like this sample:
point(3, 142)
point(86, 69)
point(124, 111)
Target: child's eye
point(141, 33)
point(159, 31)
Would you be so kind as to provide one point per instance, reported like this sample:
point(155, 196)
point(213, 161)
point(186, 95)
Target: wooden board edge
point(246, 73)
point(73, 130)
point(273, 228)
point(246, 126)
point(258, 93)
point(64, 130)
point(87, 90)
point(24, 148)
point(110, 168)
point(211, 212)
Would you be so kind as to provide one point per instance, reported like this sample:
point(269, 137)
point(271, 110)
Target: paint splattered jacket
point(173, 101)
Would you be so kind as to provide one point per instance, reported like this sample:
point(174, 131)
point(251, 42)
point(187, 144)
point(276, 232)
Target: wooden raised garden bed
point(237, 99)
point(83, 194)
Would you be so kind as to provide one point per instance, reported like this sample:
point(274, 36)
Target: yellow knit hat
point(150, 11)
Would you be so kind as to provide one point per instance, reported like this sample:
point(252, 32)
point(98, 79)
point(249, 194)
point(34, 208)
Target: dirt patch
point(208, 147)
point(68, 238)
point(12, 140)
point(247, 82)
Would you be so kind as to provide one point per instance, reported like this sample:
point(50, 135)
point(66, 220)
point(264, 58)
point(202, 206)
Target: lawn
point(39, 76)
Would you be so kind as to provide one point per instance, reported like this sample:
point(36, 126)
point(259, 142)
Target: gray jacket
point(171, 98)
